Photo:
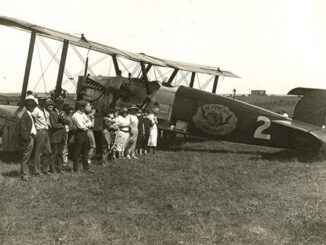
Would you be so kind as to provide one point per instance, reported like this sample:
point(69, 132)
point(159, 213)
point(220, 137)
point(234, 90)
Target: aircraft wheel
point(322, 151)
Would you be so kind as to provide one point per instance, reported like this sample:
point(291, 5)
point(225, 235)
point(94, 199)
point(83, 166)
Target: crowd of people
point(48, 127)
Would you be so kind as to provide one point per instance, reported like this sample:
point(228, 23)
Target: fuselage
point(195, 112)
point(204, 114)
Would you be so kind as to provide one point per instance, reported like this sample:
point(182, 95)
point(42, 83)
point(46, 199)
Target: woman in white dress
point(131, 147)
point(123, 122)
point(153, 132)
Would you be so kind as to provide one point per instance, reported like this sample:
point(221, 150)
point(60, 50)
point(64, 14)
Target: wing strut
point(61, 67)
point(28, 66)
point(192, 79)
point(173, 76)
point(144, 77)
point(215, 84)
point(148, 67)
point(116, 65)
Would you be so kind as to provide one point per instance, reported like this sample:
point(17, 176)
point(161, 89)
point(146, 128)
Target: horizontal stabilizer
point(303, 91)
point(8, 110)
point(315, 131)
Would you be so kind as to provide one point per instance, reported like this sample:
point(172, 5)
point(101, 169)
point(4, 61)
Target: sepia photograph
point(169, 122)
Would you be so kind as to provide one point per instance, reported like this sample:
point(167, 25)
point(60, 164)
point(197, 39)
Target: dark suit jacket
point(147, 125)
point(25, 127)
point(57, 131)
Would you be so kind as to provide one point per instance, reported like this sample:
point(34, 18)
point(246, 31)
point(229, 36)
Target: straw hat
point(124, 109)
point(133, 107)
point(59, 100)
point(30, 102)
point(49, 102)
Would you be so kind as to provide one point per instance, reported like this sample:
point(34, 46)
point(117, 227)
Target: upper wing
point(82, 42)
point(317, 132)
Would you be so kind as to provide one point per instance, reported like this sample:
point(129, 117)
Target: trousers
point(81, 148)
point(27, 153)
point(42, 151)
point(91, 143)
point(56, 157)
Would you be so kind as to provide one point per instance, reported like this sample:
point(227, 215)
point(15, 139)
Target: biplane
point(183, 109)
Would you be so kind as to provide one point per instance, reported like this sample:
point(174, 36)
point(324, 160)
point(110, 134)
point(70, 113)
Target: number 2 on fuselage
point(259, 131)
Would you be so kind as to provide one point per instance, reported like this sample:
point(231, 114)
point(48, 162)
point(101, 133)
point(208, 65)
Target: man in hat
point(42, 147)
point(30, 95)
point(131, 146)
point(82, 124)
point(57, 135)
point(141, 133)
point(49, 105)
point(90, 112)
point(68, 110)
point(27, 133)
point(147, 128)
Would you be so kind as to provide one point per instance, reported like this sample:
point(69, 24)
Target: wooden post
point(116, 65)
point(61, 67)
point(215, 84)
point(192, 79)
point(173, 75)
point(28, 66)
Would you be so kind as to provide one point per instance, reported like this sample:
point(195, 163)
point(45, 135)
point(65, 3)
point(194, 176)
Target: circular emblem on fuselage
point(215, 119)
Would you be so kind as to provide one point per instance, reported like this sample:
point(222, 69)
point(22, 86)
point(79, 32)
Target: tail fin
point(311, 108)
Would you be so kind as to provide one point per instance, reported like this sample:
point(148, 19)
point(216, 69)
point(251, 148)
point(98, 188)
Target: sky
point(274, 45)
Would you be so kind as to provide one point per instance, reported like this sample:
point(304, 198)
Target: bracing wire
point(126, 69)
point(183, 78)
point(40, 60)
point(159, 72)
point(82, 58)
point(197, 78)
point(57, 60)
point(46, 68)
point(91, 65)
point(135, 70)
point(207, 82)
point(110, 68)
point(155, 74)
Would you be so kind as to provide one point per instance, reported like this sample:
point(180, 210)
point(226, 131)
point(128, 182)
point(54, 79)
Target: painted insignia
point(215, 119)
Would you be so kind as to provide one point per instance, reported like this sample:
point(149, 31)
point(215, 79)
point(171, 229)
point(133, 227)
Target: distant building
point(258, 92)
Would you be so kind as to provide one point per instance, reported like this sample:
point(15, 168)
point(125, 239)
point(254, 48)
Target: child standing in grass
point(109, 134)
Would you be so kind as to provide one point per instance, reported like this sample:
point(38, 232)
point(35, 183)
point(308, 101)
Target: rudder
point(311, 108)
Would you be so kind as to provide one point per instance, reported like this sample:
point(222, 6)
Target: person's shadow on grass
point(288, 155)
point(10, 157)
point(11, 174)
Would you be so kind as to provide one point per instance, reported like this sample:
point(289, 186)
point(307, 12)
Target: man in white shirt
point(68, 114)
point(81, 122)
point(91, 138)
point(42, 147)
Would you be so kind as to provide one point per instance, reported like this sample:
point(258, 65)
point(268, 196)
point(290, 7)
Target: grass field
point(192, 192)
